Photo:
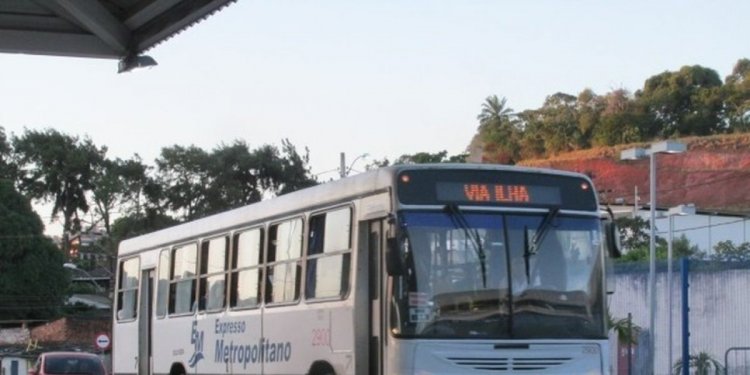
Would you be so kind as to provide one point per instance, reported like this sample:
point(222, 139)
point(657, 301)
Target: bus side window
point(283, 270)
point(246, 272)
point(182, 281)
point(328, 254)
point(162, 294)
point(213, 266)
point(127, 289)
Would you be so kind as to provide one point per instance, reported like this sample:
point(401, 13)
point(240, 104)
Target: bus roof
point(309, 198)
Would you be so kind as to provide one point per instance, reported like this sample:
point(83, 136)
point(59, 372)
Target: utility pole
point(342, 167)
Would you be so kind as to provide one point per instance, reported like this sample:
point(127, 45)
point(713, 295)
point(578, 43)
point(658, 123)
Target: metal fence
point(718, 308)
point(737, 361)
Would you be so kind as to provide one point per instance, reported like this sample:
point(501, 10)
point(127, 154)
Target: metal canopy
point(116, 29)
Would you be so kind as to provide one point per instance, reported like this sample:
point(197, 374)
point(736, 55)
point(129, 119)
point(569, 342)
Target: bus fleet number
point(321, 337)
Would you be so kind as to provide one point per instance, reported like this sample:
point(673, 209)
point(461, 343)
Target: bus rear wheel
point(321, 368)
point(177, 369)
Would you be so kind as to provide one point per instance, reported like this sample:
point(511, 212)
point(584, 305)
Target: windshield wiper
point(459, 221)
point(531, 247)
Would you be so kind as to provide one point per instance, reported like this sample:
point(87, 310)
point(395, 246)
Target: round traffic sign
point(102, 341)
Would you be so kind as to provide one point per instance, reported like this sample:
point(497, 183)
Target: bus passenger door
point(144, 322)
point(378, 336)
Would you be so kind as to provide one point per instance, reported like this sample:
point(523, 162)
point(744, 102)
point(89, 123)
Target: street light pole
point(652, 258)
point(669, 288)
point(638, 153)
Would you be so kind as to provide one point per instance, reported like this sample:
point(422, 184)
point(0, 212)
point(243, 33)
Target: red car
point(64, 363)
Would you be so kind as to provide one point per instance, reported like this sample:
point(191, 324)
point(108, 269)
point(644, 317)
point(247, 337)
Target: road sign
point(102, 341)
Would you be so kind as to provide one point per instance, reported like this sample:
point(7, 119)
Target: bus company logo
point(196, 338)
point(262, 351)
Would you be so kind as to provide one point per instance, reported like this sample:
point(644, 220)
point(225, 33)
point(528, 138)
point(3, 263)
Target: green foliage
point(627, 331)
point(635, 239)
point(621, 120)
point(691, 101)
point(32, 279)
point(498, 131)
point(686, 102)
point(140, 223)
point(727, 251)
point(295, 169)
point(419, 158)
point(57, 167)
point(702, 364)
point(116, 183)
point(682, 248)
point(79, 310)
point(183, 171)
point(196, 183)
point(7, 167)
point(737, 97)
point(634, 232)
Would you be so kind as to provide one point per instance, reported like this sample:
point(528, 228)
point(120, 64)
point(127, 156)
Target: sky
point(382, 78)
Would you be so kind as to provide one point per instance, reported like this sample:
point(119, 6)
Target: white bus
point(418, 269)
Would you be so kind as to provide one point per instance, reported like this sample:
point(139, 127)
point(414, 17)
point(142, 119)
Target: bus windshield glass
point(472, 275)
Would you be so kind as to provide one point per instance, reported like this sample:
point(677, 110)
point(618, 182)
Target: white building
point(705, 229)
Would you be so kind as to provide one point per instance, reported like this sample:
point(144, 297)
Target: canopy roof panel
point(116, 29)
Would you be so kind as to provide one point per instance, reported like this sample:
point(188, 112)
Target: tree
point(58, 167)
point(184, 174)
point(620, 122)
point(195, 183)
point(737, 96)
point(627, 331)
point(589, 108)
point(116, 183)
point(532, 144)
point(7, 170)
point(135, 224)
point(419, 158)
point(682, 248)
point(427, 158)
point(558, 118)
point(116, 186)
point(32, 279)
point(727, 251)
point(498, 131)
point(634, 232)
point(683, 103)
point(295, 169)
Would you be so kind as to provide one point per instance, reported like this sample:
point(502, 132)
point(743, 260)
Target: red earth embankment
point(714, 173)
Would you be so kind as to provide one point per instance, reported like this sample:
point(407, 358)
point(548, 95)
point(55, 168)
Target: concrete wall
point(719, 304)
point(14, 336)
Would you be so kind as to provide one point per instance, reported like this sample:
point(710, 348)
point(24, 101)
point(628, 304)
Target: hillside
point(714, 173)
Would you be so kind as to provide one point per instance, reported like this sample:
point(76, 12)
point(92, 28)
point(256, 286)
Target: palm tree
point(627, 332)
point(494, 110)
point(498, 132)
point(703, 363)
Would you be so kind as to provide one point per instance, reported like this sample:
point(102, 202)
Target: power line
point(704, 226)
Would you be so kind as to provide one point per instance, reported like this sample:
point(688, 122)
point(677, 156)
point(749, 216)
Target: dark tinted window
point(73, 365)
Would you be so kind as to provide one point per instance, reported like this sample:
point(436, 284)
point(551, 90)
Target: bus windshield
point(477, 275)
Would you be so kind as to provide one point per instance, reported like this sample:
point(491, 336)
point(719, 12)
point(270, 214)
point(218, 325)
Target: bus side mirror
point(394, 263)
point(612, 237)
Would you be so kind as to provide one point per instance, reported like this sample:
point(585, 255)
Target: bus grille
point(509, 363)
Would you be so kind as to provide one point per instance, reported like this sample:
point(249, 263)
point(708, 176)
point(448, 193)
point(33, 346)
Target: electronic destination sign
point(495, 187)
